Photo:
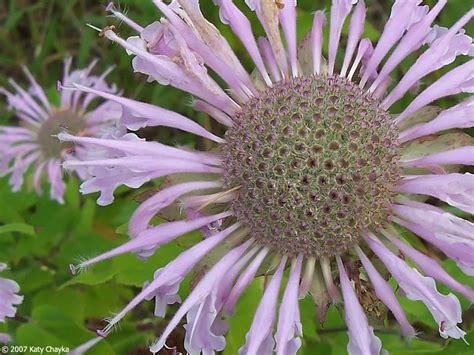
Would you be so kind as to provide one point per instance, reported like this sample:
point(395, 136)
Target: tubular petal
point(446, 310)
point(362, 340)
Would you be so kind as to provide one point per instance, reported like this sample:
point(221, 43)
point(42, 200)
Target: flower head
point(34, 142)
point(316, 173)
point(8, 300)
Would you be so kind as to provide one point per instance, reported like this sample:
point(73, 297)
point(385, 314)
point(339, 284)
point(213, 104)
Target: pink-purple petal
point(455, 189)
point(459, 116)
point(458, 80)
point(259, 339)
point(205, 288)
point(431, 267)
point(356, 27)
point(289, 328)
point(446, 310)
point(173, 273)
point(317, 40)
point(384, 292)
point(362, 340)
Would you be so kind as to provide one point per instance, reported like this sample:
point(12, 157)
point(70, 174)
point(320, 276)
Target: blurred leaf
point(17, 227)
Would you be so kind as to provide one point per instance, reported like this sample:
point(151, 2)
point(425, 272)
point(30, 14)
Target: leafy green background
point(39, 238)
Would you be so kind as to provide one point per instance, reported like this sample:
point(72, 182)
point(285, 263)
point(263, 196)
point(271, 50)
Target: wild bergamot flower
point(8, 300)
point(34, 142)
point(317, 173)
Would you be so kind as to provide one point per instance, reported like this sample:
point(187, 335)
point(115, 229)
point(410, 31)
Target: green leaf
point(17, 227)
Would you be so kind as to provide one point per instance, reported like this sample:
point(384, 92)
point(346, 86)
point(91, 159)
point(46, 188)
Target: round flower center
point(315, 160)
point(59, 121)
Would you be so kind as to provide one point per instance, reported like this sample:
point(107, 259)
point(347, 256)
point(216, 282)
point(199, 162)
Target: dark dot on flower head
point(356, 177)
point(328, 164)
point(282, 200)
point(334, 145)
point(279, 169)
point(322, 180)
point(303, 132)
point(317, 235)
point(296, 117)
point(271, 185)
point(309, 213)
point(352, 147)
point(316, 149)
point(271, 138)
point(268, 201)
point(312, 162)
point(319, 133)
point(295, 163)
point(287, 131)
point(321, 90)
point(354, 134)
point(284, 151)
point(372, 176)
point(300, 147)
point(275, 122)
point(305, 180)
point(317, 118)
point(267, 153)
point(303, 226)
point(340, 180)
point(260, 182)
point(345, 199)
point(256, 145)
point(250, 160)
point(348, 119)
point(326, 208)
point(341, 214)
point(361, 162)
point(333, 195)
point(291, 233)
point(246, 176)
point(297, 199)
point(262, 167)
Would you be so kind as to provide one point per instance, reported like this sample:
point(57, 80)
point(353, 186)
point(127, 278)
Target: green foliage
point(39, 238)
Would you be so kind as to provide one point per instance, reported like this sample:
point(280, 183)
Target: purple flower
point(34, 142)
point(8, 300)
point(317, 173)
